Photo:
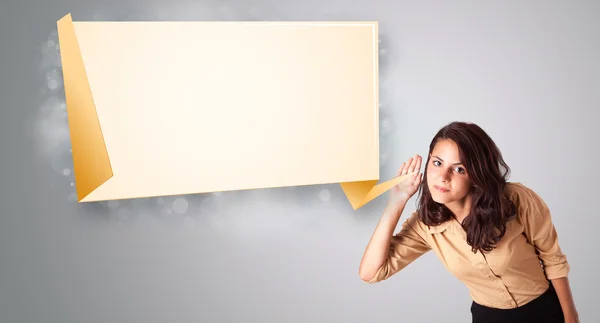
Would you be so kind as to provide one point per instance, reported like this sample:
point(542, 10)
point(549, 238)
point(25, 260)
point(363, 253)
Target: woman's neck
point(461, 208)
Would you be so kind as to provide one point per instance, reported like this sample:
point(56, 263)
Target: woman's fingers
point(413, 162)
point(418, 179)
point(405, 166)
point(400, 169)
point(409, 166)
point(416, 163)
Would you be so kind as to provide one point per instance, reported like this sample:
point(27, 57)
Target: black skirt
point(544, 309)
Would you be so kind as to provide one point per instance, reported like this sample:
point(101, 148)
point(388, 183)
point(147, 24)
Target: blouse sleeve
point(541, 233)
point(405, 247)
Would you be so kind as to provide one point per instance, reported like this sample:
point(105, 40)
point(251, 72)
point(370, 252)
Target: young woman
point(497, 237)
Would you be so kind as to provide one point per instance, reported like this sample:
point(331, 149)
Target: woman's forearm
point(377, 250)
point(563, 290)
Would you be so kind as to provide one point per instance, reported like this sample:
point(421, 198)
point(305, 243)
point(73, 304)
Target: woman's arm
point(386, 254)
point(563, 290)
point(376, 253)
point(541, 232)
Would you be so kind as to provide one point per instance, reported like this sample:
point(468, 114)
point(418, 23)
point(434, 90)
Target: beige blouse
point(509, 276)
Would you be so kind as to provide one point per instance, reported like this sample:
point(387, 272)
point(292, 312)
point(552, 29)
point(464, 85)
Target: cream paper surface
point(171, 108)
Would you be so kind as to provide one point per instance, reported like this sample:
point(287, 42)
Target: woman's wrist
point(396, 206)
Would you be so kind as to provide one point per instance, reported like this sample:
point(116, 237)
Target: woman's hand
point(404, 190)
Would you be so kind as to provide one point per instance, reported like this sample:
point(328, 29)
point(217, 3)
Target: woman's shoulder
point(413, 221)
point(416, 223)
point(524, 197)
point(518, 191)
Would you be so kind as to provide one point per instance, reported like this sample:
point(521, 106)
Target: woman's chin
point(441, 199)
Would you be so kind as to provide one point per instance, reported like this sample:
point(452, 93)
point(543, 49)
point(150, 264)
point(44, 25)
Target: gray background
point(526, 71)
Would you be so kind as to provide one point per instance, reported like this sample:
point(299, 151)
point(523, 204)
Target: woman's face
point(447, 178)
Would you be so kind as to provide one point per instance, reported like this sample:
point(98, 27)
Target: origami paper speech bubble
point(171, 108)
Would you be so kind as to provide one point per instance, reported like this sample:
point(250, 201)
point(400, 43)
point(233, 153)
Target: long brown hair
point(491, 209)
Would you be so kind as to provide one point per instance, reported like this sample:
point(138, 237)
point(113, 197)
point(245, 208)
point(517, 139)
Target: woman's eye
point(458, 169)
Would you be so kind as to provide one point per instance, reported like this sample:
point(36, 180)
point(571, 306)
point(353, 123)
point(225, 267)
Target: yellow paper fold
point(361, 193)
point(90, 159)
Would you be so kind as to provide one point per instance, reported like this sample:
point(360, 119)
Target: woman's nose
point(444, 175)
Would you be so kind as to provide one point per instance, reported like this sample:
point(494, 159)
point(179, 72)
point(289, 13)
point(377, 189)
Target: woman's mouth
point(441, 189)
